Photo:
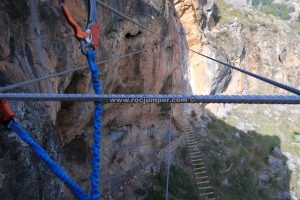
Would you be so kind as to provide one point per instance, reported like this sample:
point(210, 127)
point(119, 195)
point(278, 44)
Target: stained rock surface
point(35, 40)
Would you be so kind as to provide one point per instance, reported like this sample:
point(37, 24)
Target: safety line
point(155, 98)
point(169, 142)
point(169, 154)
point(274, 83)
point(18, 85)
point(96, 147)
point(53, 166)
point(128, 18)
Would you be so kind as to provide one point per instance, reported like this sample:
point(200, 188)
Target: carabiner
point(6, 113)
point(90, 37)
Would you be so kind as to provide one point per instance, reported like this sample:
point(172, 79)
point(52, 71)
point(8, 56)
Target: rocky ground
point(258, 143)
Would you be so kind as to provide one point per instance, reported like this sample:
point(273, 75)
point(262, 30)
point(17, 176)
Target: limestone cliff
point(35, 41)
point(262, 37)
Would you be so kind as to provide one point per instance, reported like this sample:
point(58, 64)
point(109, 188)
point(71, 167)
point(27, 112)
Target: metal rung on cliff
point(201, 177)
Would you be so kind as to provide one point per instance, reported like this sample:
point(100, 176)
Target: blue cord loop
point(96, 148)
point(53, 166)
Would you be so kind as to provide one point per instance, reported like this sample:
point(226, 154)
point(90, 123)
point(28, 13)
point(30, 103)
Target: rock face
point(239, 34)
point(35, 41)
point(22, 174)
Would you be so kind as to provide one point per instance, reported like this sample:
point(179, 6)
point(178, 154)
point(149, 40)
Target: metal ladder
point(204, 186)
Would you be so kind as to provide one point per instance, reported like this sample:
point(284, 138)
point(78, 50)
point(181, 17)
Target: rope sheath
point(53, 166)
point(96, 148)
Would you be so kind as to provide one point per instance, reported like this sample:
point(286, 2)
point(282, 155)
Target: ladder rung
point(196, 168)
point(193, 153)
point(203, 172)
point(191, 135)
point(197, 162)
point(192, 156)
point(202, 177)
point(199, 168)
point(192, 143)
point(203, 182)
point(205, 194)
point(200, 163)
point(204, 188)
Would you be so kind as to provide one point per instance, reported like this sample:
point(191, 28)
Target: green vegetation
point(244, 185)
point(296, 24)
point(247, 160)
point(269, 7)
point(181, 186)
point(280, 10)
point(294, 135)
point(257, 3)
point(274, 126)
point(223, 13)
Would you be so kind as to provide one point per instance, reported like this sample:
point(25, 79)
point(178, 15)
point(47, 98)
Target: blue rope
point(96, 148)
point(54, 167)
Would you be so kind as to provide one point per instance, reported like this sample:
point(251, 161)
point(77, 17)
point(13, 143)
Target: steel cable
point(18, 85)
point(272, 82)
point(155, 98)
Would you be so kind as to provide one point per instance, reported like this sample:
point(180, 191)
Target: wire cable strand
point(155, 98)
point(169, 154)
point(267, 80)
point(128, 18)
point(272, 82)
point(18, 85)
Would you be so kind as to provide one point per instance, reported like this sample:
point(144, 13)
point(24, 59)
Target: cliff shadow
point(242, 164)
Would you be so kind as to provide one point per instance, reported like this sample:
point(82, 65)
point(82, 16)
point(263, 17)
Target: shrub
point(279, 10)
point(216, 13)
point(269, 7)
point(257, 3)
point(224, 13)
point(181, 186)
